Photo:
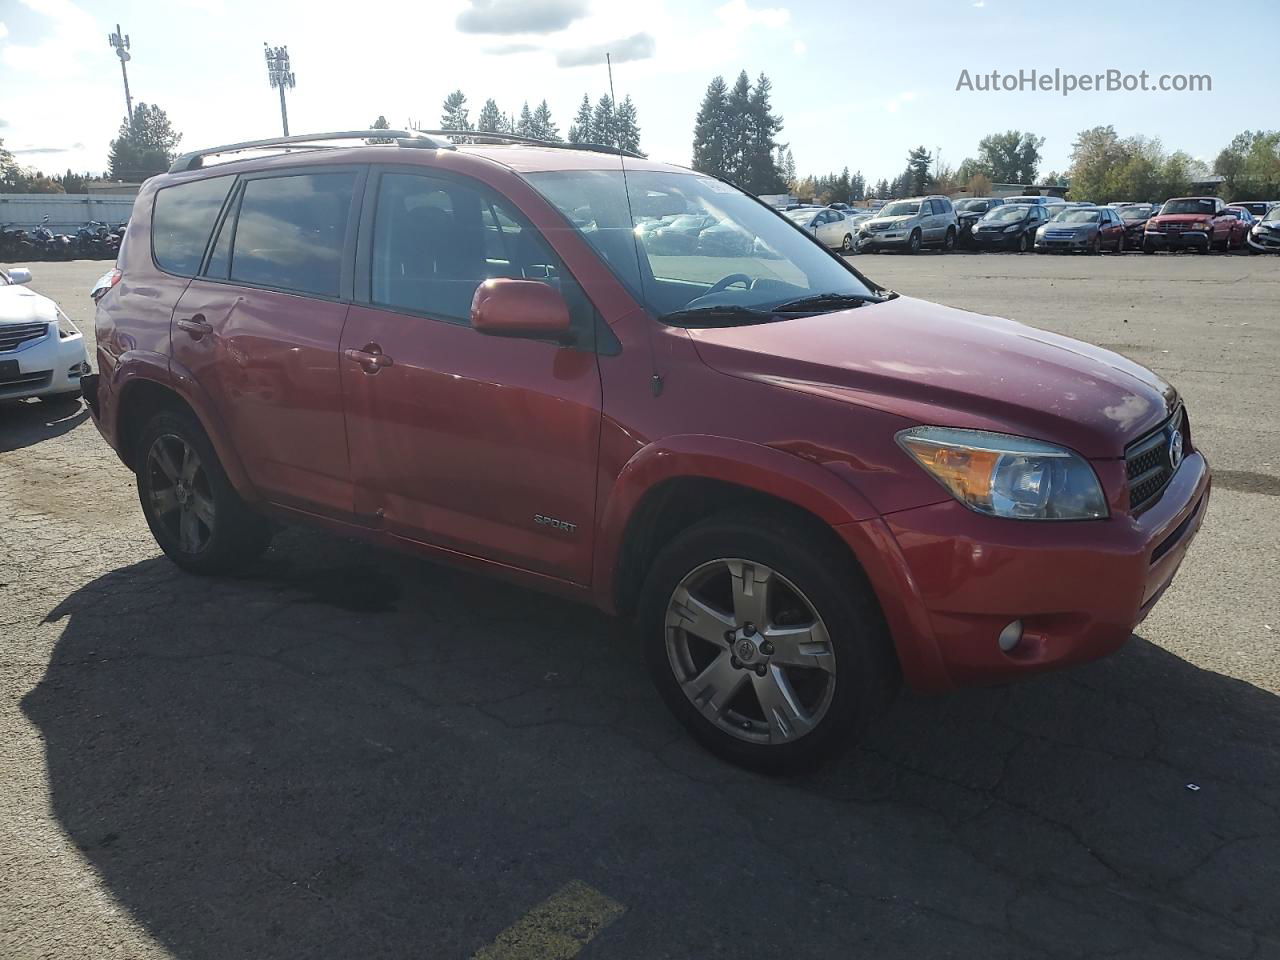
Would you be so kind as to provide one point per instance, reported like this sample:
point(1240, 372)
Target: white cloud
point(736, 15)
point(640, 46)
point(979, 3)
point(895, 102)
point(799, 48)
point(4, 31)
point(73, 32)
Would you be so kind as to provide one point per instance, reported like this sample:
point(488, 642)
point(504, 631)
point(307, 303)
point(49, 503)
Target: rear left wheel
point(765, 642)
point(194, 513)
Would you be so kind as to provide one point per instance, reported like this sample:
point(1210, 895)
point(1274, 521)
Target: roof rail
point(476, 136)
point(405, 138)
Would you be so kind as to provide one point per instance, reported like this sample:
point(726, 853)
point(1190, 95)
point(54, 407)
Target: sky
point(856, 83)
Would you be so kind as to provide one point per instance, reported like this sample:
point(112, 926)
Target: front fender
point(765, 469)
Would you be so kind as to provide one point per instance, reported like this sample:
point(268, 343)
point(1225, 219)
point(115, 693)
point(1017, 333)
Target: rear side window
point(182, 220)
point(290, 232)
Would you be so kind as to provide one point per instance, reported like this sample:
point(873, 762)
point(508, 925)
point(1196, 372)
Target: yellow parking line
point(557, 928)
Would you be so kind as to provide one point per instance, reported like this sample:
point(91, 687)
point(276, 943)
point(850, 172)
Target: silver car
point(829, 226)
point(910, 224)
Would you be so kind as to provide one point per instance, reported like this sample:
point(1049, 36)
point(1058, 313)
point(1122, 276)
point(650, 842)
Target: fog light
point(1010, 636)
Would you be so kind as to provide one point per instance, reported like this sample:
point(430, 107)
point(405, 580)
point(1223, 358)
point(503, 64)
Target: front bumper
point(996, 241)
point(51, 365)
point(954, 579)
point(1078, 242)
point(885, 238)
point(1185, 240)
point(1264, 242)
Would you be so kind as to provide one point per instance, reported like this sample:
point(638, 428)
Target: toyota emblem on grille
point(1175, 449)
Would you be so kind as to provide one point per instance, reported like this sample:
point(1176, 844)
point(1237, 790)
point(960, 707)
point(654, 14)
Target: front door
point(259, 330)
point(479, 444)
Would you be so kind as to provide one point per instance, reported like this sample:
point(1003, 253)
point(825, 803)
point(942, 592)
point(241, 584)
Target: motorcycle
point(15, 244)
point(94, 241)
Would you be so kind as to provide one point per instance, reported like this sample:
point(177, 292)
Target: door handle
point(370, 357)
point(196, 326)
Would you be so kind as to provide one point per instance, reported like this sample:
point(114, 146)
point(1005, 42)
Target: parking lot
point(354, 754)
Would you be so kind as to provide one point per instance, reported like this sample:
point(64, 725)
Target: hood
point(20, 304)
point(889, 221)
point(932, 364)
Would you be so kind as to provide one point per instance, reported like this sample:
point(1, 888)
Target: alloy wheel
point(750, 651)
point(179, 494)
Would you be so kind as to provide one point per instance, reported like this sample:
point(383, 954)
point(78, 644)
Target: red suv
point(804, 487)
point(1192, 223)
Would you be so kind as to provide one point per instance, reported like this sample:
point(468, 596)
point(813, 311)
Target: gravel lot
point(351, 754)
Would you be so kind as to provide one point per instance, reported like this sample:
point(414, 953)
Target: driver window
point(436, 240)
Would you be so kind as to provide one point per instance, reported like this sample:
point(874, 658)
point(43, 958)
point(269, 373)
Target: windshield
point(973, 206)
point(902, 208)
point(801, 216)
point(754, 261)
point(1136, 211)
point(1007, 213)
point(1201, 206)
point(1077, 216)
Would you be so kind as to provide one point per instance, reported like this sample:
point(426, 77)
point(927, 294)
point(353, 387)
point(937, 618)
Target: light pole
point(120, 42)
point(281, 77)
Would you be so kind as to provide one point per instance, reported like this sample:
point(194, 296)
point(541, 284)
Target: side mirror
point(531, 309)
point(19, 275)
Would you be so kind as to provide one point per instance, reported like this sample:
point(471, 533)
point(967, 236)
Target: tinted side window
point(435, 240)
point(182, 220)
point(290, 232)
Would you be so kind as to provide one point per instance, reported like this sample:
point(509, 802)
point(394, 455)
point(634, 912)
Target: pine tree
point(789, 167)
point(380, 124)
point(544, 124)
point(604, 122)
point(739, 148)
point(917, 174)
point(582, 123)
point(490, 119)
point(145, 146)
point(628, 128)
point(524, 126)
point(455, 116)
point(762, 127)
point(710, 131)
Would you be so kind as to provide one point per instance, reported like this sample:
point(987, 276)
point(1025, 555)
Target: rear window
point(290, 232)
point(182, 221)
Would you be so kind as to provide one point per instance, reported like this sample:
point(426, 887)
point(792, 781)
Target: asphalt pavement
point(346, 753)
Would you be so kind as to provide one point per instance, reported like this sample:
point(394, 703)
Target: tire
point(847, 244)
point(949, 241)
point(1095, 246)
point(1023, 244)
point(913, 242)
point(200, 523)
point(810, 582)
point(1148, 248)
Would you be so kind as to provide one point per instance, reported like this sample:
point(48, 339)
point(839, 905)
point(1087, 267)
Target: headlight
point(65, 327)
point(1006, 476)
point(1011, 228)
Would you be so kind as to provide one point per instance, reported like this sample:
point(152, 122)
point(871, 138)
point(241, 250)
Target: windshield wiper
point(722, 315)
point(820, 301)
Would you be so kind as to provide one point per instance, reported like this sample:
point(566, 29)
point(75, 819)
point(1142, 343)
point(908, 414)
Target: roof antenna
point(655, 381)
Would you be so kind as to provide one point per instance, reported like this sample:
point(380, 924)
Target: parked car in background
point(1056, 202)
point(1244, 221)
point(42, 353)
point(799, 485)
point(1082, 230)
point(1135, 217)
point(1189, 223)
point(969, 211)
point(1010, 226)
point(679, 235)
point(1258, 208)
point(828, 225)
point(910, 225)
point(1265, 235)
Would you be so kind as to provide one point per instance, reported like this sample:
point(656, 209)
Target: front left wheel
point(847, 244)
point(765, 641)
point(194, 512)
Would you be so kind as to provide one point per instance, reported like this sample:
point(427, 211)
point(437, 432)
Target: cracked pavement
point(350, 753)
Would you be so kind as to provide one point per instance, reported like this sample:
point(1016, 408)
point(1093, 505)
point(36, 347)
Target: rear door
point(260, 328)
point(479, 444)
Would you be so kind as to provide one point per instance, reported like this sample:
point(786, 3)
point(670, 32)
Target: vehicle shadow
point(26, 422)
point(348, 754)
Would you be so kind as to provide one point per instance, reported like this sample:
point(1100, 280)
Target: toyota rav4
point(803, 487)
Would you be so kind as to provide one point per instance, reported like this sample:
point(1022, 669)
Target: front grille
point(1147, 464)
point(15, 334)
point(1059, 234)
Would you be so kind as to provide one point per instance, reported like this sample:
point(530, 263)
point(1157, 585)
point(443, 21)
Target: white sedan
point(831, 227)
point(42, 353)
